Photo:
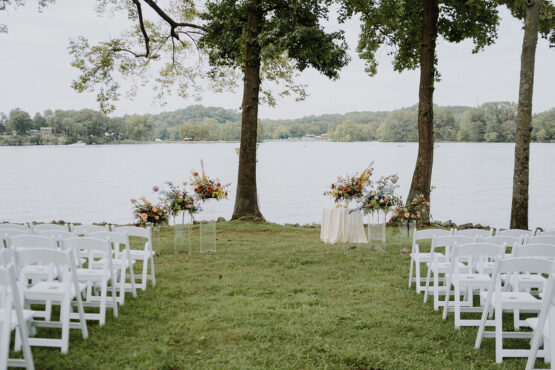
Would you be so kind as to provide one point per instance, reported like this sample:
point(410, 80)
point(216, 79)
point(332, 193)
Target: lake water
point(473, 181)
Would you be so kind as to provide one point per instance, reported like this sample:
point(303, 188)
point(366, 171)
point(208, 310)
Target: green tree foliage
point(544, 126)
point(3, 122)
point(19, 121)
point(38, 121)
point(138, 127)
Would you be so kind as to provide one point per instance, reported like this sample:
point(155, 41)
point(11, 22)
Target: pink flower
point(155, 188)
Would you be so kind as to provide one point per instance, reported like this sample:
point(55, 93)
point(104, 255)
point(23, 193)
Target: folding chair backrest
point(533, 265)
point(477, 250)
point(56, 234)
point(446, 242)
point(87, 229)
point(541, 239)
point(510, 241)
point(474, 232)
point(90, 248)
point(141, 232)
point(117, 239)
point(31, 241)
point(134, 231)
point(534, 250)
point(46, 256)
point(13, 226)
point(49, 227)
point(513, 232)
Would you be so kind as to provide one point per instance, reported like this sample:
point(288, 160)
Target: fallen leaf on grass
point(351, 294)
point(220, 276)
point(405, 251)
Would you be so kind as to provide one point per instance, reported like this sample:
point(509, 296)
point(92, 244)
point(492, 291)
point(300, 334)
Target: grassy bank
point(276, 297)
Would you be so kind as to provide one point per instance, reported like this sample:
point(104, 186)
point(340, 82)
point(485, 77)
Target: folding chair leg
point(152, 270)
point(427, 284)
point(417, 277)
point(498, 335)
point(103, 294)
point(145, 274)
point(64, 318)
point(410, 270)
point(436, 291)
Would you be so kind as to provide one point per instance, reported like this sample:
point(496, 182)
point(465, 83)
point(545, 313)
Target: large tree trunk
point(246, 199)
point(519, 210)
point(422, 176)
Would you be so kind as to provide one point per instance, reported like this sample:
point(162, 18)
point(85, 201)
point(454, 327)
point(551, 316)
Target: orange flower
point(360, 186)
point(407, 214)
point(195, 174)
point(154, 209)
point(218, 184)
point(345, 190)
point(208, 188)
point(144, 216)
point(332, 186)
point(196, 190)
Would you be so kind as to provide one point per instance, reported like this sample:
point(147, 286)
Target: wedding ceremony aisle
point(276, 297)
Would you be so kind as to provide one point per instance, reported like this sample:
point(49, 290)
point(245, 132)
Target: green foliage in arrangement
point(489, 122)
point(276, 297)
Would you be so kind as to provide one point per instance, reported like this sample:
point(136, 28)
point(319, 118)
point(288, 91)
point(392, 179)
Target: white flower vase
point(182, 233)
point(208, 217)
point(376, 226)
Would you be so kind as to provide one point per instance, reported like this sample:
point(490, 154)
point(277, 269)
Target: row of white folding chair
point(144, 255)
point(91, 279)
point(543, 326)
point(13, 317)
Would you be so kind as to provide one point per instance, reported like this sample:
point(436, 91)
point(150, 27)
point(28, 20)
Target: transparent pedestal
point(182, 233)
point(207, 226)
point(155, 238)
point(376, 227)
point(406, 229)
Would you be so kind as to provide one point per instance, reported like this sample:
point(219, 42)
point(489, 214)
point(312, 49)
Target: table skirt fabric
point(340, 225)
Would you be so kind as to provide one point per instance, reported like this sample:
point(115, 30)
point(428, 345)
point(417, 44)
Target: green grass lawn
point(277, 297)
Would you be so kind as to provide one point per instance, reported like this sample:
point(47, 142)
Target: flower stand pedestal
point(406, 229)
point(182, 234)
point(376, 227)
point(208, 227)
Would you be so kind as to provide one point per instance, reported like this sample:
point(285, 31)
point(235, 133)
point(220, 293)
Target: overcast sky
point(35, 71)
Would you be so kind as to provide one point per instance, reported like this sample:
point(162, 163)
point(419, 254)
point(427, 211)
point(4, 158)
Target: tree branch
point(173, 24)
point(142, 26)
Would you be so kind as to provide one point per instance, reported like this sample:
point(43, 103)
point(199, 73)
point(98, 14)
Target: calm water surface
point(473, 181)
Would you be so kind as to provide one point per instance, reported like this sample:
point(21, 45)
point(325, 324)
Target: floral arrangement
point(414, 211)
point(381, 195)
point(207, 188)
point(177, 200)
point(350, 187)
point(147, 213)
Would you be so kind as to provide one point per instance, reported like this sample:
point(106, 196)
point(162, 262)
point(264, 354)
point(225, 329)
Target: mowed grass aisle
point(276, 297)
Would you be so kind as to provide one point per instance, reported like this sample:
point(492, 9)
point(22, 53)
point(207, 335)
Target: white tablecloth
point(339, 225)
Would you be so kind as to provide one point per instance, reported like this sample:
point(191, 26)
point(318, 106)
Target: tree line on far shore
point(490, 122)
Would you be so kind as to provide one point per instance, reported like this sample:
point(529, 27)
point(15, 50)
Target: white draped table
point(340, 225)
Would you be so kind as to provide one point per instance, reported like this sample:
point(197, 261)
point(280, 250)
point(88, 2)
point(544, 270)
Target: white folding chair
point(87, 229)
point(440, 265)
point(97, 274)
point(13, 317)
point(469, 279)
point(146, 254)
point(473, 233)
point(500, 301)
point(122, 261)
point(38, 228)
point(543, 326)
point(517, 233)
point(417, 257)
point(61, 292)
